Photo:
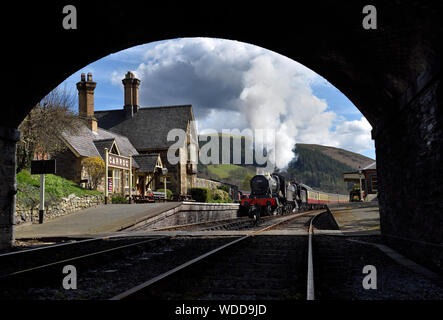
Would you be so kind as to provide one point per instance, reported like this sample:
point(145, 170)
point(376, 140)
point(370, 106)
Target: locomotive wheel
point(256, 216)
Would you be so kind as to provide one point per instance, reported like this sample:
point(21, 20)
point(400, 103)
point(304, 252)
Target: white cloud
point(354, 135)
point(236, 85)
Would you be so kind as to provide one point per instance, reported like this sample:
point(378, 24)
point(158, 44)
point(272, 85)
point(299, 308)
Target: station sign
point(119, 162)
point(43, 166)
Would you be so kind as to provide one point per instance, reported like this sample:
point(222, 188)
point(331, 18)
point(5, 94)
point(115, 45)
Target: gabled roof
point(87, 143)
point(149, 127)
point(146, 162)
point(100, 145)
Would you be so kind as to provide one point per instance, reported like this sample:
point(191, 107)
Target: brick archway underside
point(392, 74)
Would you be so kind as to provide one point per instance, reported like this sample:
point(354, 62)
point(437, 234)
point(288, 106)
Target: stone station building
point(140, 134)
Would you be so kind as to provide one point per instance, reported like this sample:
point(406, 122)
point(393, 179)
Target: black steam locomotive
point(272, 195)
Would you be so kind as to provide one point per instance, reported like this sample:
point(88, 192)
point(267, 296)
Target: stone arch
point(392, 74)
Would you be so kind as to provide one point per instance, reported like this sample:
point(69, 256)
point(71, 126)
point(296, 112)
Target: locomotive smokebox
point(263, 185)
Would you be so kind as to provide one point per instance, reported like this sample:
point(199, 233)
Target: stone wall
point(188, 213)
point(69, 166)
point(410, 174)
point(205, 183)
point(66, 206)
point(8, 184)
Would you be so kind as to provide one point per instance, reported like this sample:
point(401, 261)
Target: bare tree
point(42, 128)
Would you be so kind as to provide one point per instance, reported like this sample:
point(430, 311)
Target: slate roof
point(146, 162)
point(149, 127)
point(91, 144)
point(372, 166)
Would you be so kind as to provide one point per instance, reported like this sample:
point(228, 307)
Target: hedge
point(168, 193)
point(210, 196)
point(219, 195)
point(201, 194)
point(118, 198)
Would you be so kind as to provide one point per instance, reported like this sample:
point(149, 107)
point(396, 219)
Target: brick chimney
point(86, 101)
point(131, 85)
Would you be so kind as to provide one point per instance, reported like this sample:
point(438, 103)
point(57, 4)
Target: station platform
point(357, 218)
point(107, 220)
point(93, 221)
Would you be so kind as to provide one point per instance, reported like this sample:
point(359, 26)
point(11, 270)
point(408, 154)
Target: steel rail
point(62, 244)
point(80, 257)
point(201, 224)
point(310, 291)
point(218, 223)
point(146, 284)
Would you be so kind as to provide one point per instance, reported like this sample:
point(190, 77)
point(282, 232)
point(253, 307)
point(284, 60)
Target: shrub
point(95, 169)
point(220, 196)
point(168, 193)
point(224, 188)
point(201, 194)
point(118, 198)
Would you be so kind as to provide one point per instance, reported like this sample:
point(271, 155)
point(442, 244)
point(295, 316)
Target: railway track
point(20, 262)
point(227, 224)
point(233, 224)
point(250, 267)
point(109, 265)
point(100, 274)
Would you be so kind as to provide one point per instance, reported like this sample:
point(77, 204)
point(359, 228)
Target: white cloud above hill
point(237, 85)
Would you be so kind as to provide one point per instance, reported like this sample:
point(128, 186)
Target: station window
point(116, 180)
point(374, 183)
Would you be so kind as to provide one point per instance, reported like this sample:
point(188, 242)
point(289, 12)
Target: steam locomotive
point(272, 195)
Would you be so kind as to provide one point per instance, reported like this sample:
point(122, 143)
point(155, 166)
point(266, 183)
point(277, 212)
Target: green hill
point(229, 173)
point(352, 159)
point(318, 170)
point(320, 167)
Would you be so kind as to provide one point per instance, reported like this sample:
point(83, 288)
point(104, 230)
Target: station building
point(131, 133)
point(368, 179)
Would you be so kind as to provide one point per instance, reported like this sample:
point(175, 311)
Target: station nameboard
point(43, 166)
point(116, 161)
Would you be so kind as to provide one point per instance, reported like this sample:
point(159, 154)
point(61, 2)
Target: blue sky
point(234, 85)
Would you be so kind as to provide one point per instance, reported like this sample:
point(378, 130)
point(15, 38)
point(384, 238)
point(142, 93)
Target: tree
point(95, 170)
point(42, 128)
point(246, 182)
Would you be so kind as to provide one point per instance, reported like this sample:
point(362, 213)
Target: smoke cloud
point(237, 85)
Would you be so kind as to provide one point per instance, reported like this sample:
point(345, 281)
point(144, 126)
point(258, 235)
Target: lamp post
point(164, 173)
point(359, 177)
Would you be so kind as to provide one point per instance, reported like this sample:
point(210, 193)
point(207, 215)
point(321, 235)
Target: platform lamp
point(164, 173)
point(359, 177)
